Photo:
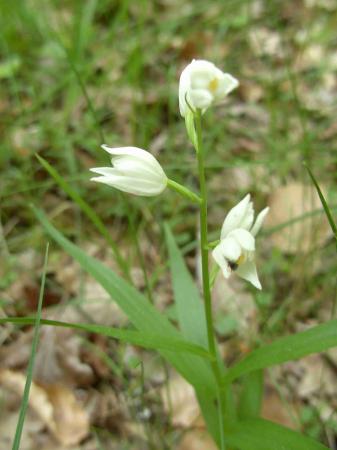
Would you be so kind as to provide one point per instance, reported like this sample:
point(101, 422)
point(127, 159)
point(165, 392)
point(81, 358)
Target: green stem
point(204, 239)
point(205, 274)
point(182, 190)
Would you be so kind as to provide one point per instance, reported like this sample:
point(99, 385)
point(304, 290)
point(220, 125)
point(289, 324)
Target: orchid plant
point(231, 416)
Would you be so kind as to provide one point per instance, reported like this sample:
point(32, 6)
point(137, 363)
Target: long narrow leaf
point(154, 341)
point(260, 434)
point(140, 312)
point(323, 201)
point(317, 339)
point(210, 414)
point(88, 211)
point(36, 323)
point(251, 395)
point(186, 295)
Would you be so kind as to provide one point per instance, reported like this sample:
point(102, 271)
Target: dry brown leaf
point(289, 202)
point(182, 402)
point(197, 440)
point(317, 378)
point(58, 359)
point(8, 423)
point(275, 410)
point(251, 91)
point(70, 421)
point(55, 405)
point(16, 354)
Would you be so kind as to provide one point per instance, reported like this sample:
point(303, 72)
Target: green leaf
point(36, 322)
point(190, 310)
point(147, 340)
point(260, 434)
point(314, 340)
point(191, 318)
point(88, 211)
point(140, 312)
point(190, 127)
point(210, 414)
point(251, 395)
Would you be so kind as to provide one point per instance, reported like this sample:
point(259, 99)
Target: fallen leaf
point(197, 440)
point(58, 359)
point(179, 400)
point(55, 405)
point(276, 410)
point(288, 203)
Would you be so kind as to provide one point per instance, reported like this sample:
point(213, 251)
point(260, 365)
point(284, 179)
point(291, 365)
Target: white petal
point(226, 271)
point(201, 73)
point(131, 185)
point(106, 171)
point(244, 239)
point(235, 216)
point(259, 221)
point(248, 219)
point(184, 88)
point(200, 98)
point(135, 162)
point(219, 258)
point(248, 272)
point(130, 151)
point(231, 249)
point(132, 166)
point(227, 83)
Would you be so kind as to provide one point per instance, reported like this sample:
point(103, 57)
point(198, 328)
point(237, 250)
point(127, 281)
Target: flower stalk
point(205, 274)
point(182, 190)
point(204, 237)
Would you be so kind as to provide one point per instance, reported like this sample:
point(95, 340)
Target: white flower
point(202, 83)
point(134, 171)
point(236, 250)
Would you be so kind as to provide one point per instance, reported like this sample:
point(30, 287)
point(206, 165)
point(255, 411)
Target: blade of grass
point(88, 211)
point(36, 322)
point(97, 440)
point(323, 201)
point(317, 339)
point(147, 340)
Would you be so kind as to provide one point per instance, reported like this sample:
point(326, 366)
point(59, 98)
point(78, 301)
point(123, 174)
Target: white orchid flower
point(201, 84)
point(134, 171)
point(236, 250)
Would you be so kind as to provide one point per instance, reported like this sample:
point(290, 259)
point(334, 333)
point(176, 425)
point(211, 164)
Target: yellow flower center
point(241, 260)
point(213, 85)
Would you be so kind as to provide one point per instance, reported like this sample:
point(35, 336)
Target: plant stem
point(182, 190)
point(205, 273)
point(204, 239)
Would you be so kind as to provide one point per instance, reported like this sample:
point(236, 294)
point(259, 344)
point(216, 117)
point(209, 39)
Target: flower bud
point(134, 171)
point(201, 84)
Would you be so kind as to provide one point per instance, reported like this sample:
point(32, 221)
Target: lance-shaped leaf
point(190, 310)
point(147, 340)
point(317, 339)
point(259, 434)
